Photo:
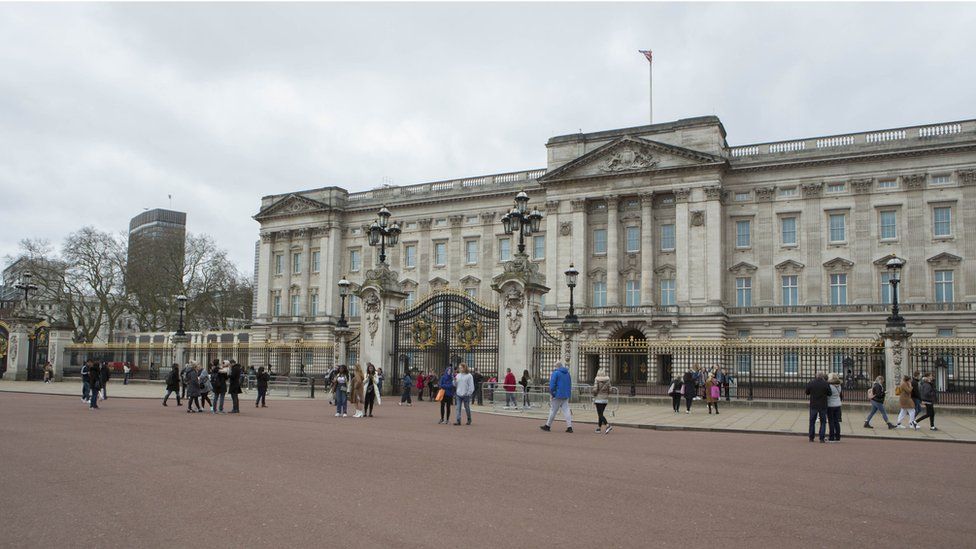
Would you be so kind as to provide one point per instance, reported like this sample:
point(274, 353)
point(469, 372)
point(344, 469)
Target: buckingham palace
point(674, 232)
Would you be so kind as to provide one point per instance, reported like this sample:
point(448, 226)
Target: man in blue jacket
point(560, 388)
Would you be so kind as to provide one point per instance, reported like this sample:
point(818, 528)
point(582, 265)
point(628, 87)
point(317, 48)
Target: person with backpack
point(834, 402)
point(86, 381)
point(235, 377)
point(601, 397)
point(688, 389)
point(94, 372)
point(876, 394)
point(929, 397)
point(674, 391)
point(340, 388)
point(263, 378)
point(916, 398)
point(446, 384)
point(407, 386)
point(713, 390)
point(905, 404)
point(104, 374)
point(524, 382)
point(206, 386)
point(560, 389)
point(819, 391)
point(173, 385)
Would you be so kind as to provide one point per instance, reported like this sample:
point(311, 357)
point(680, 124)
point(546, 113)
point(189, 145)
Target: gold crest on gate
point(424, 333)
point(468, 332)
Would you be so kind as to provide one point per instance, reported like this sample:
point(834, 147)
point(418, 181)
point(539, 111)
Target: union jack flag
point(648, 54)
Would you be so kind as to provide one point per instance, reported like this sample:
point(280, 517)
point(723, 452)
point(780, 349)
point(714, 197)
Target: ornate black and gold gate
point(445, 329)
point(4, 347)
point(38, 355)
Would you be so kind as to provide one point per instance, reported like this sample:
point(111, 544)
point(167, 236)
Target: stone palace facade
point(675, 233)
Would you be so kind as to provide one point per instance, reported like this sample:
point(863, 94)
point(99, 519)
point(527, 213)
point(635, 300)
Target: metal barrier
point(582, 399)
point(285, 386)
point(537, 397)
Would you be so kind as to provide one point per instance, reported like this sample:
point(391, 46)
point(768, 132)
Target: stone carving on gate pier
point(371, 305)
point(697, 218)
point(514, 303)
point(566, 228)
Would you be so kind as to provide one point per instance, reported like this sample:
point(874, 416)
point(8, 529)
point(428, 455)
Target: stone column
point(341, 339)
point(456, 260)
point(18, 347)
point(180, 343)
point(553, 261)
point(519, 287)
point(265, 267)
point(329, 274)
point(381, 296)
point(425, 257)
point(647, 248)
point(613, 253)
point(306, 265)
point(714, 250)
point(286, 287)
point(681, 235)
point(581, 252)
point(570, 351)
point(58, 339)
point(897, 343)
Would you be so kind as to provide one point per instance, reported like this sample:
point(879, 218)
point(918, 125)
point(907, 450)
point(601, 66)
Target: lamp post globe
point(26, 285)
point(894, 267)
point(343, 293)
point(181, 303)
point(572, 275)
point(383, 233)
point(522, 221)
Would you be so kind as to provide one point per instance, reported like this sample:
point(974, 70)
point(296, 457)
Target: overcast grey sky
point(105, 109)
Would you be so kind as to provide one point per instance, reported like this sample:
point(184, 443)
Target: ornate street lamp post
point(382, 233)
point(181, 303)
point(343, 293)
point(26, 285)
point(522, 221)
point(571, 276)
point(894, 266)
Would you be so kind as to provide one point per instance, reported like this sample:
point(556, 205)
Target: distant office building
point(156, 252)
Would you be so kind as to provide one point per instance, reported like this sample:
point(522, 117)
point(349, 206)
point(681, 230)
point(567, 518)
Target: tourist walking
point(876, 394)
point(834, 402)
point(688, 389)
point(218, 378)
point(234, 375)
point(104, 374)
point(674, 391)
point(173, 384)
point(524, 382)
point(819, 391)
point(340, 388)
point(601, 397)
point(356, 389)
point(126, 372)
point(479, 381)
point(561, 389)
point(48, 372)
point(463, 392)
point(407, 386)
point(445, 395)
point(86, 381)
point(916, 397)
point(432, 386)
point(929, 397)
point(905, 404)
point(712, 393)
point(205, 385)
point(193, 389)
point(94, 372)
point(509, 387)
point(421, 380)
point(262, 378)
point(372, 388)
point(380, 376)
point(183, 378)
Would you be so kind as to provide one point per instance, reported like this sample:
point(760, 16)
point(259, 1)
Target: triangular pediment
point(290, 205)
point(742, 267)
point(882, 261)
point(944, 258)
point(438, 282)
point(470, 279)
point(627, 155)
point(838, 263)
point(789, 265)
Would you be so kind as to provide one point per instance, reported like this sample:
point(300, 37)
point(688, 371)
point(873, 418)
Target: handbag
point(440, 395)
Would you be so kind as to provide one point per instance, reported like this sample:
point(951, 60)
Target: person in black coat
point(218, 378)
point(819, 390)
point(689, 388)
point(104, 373)
point(263, 379)
point(95, 375)
point(235, 385)
point(173, 384)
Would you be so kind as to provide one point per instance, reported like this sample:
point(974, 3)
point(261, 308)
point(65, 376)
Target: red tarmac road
point(135, 474)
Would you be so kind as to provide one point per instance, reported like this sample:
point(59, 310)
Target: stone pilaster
point(381, 296)
point(897, 342)
point(58, 339)
point(581, 253)
point(305, 236)
point(647, 248)
point(613, 253)
point(265, 266)
point(520, 287)
point(18, 347)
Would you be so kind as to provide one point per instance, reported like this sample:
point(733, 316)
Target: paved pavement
point(135, 474)
point(952, 427)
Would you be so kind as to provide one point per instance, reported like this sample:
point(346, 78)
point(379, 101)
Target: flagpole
point(650, 88)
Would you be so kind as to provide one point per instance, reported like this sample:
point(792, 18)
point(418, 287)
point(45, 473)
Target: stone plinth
point(896, 342)
point(381, 295)
point(520, 286)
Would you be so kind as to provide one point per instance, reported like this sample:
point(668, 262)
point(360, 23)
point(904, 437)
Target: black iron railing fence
point(952, 361)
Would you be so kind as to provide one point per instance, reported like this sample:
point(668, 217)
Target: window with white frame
point(632, 239)
point(788, 231)
point(355, 260)
point(838, 227)
point(410, 299)
point(742, 233)
point(885, 288)
point(471, 292)
point(838, 289)
point(789, 333)
point(440, 254)
point(410, 255)
point(791, 290)
point(836, 187)
point(313, 306)
point(887, 183)
point(791, 362)
point(943, 287)
point(942, 179)
point(295, 311)
point(539, 247)
point(440, 222)
point(743, 291)
point(599, 241)
point(837, 362)
point(504, 249)
point(316, 261)
point(741, 197)
point(471, 220)
point(889, 224)
point(353, 305)
point(838, 332)
point(945, 332)
point(470, 251)
point(296, 263)
point(667, 291)
point(743, 362)
point(788, 192)
point(632, 294)
point(599, 293)
point(742, 333)
point(411, 225)
point(276, 310)
point(942, 221)
point(667, 237)
point(279, 263)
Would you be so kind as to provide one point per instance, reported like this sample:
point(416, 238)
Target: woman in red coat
point(509, 388)
point(421, 379)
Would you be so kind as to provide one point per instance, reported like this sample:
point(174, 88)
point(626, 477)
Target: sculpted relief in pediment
point(627, 157)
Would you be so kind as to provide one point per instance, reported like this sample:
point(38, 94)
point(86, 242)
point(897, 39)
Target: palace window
point(889, 225)
point(471, 292)
point(838, 289)
point(440, 254)
point(667, 291)
point(788, 231)
point(470, 251)
point(296, 263)
point(313, 308)
point(885, 288)
point(789, 333)
point(942, 221)
point(294, 306)
point(633, 239)
point(632, 295)
point(838, 332)
point(838, 227)
point(940, 180)
point(600, 294)
point(276, 311)
point(945, 332)
point(599, 241)
point(279, 263)
point(539, 247)
point(667, 237)
point(788, 191)
point(791, 362)
point(742, 233)
point(836, 187)
point(410, 299)
point(355, 260)
point(887, 183)
point(791, 291)
point(353, 305)
point(943, 286)
point(316, 261)
point(410, 255)
point(504, 249)
point(742, 197)
point(743, 291)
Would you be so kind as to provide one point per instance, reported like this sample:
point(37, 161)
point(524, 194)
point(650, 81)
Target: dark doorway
point(664, 369)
